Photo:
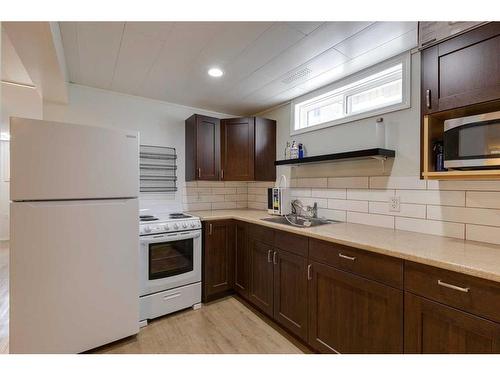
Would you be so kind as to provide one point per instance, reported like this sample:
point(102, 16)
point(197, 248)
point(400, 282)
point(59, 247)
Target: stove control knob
point(166, 227)
point(184, 225)
point(147, 229)
point(176, 226)
point(193, 224)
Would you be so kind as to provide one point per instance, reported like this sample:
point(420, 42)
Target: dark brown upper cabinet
point(236, 149)
point(202, 148)
point(462, 71)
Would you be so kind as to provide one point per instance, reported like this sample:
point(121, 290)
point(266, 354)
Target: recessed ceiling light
point(215, 72)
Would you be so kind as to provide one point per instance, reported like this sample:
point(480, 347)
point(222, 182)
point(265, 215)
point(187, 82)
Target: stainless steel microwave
point(472, 142)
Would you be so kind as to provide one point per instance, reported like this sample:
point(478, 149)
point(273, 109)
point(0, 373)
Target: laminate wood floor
point(224, 326)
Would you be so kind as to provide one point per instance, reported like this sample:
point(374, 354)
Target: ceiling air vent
point(297, 75)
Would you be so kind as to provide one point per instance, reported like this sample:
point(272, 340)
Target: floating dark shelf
point(375, 153)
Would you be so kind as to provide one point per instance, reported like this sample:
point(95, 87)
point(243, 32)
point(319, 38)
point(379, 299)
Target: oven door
point(472, 145)
point(169, 260)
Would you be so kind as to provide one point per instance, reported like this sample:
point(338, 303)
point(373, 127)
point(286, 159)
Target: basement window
point(381, 89)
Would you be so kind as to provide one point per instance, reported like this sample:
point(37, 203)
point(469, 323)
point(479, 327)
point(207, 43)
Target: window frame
point(319, 94)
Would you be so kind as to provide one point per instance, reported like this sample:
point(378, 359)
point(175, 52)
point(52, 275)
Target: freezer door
point(74, 280)
point(52, 160)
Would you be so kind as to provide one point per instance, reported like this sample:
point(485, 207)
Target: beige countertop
point(468, 257)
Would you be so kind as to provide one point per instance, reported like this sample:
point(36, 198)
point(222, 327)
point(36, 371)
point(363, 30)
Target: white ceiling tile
point(157, 30)
point(305, 27)
point(137, 54)
point(98, 46)
point(373, 36)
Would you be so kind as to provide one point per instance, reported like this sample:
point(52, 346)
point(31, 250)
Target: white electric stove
point(170, 263)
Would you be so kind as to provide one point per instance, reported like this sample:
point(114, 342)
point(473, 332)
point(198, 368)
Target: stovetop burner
point(178, 215)
point(147, 218)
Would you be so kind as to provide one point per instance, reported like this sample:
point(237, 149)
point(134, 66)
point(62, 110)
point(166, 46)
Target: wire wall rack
point(158, 169)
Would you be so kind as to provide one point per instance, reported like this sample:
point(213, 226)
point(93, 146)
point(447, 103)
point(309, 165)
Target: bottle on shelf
point(287, 151)
point(294, 151)
point(301, 150)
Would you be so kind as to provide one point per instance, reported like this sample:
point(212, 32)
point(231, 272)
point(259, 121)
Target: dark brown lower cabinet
point(351, 314)
point(261, 275)
point(434, 328)
point(241, 261)
point(218, 253)
point(290, 292)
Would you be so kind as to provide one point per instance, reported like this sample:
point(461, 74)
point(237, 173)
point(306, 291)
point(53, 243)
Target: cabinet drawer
point(474, 295)
point(291, 242)
point(373, 266)
point(261, 233)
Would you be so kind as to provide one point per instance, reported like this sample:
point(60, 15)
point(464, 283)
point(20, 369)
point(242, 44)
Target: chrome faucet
point(313, 210)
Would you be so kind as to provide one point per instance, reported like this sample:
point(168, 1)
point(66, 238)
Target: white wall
point(159, 123)
point(19, 102)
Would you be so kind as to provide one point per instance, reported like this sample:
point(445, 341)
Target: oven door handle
point(169, 237)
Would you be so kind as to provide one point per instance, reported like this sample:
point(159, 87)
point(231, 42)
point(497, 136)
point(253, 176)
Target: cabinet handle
point(309, 272)
point(275, 258)
point(210, 229)
point(269, 256)
point(428, 98)
point(347, 257)
point(222, 174)
point(199, 172)
point(454, 287)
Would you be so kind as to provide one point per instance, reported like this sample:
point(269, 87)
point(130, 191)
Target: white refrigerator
point(74, 236)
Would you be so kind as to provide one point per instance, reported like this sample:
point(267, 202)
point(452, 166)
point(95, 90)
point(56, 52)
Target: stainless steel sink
point(299, 221)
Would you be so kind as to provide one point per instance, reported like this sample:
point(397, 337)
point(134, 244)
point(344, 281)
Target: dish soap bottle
point(287, 151)
point(294, 151)
point(301, 150)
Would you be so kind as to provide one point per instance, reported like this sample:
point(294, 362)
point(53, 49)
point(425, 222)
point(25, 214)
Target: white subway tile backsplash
point(482, 233)
point(440, 228)
point(371, 219)
point(223, 205)
point(329, 193)
point(389, 182)
point(231, 190)
point(460, 209)
point(464, 185)
point(483, 199)
point(332, 214)
point(312, 182)
point(348, 205)
point(405, 209)
point(444, 198)
point(483, 216)
point(197, 206)
point(300, 192)
point(348, 182)
point(370, 195)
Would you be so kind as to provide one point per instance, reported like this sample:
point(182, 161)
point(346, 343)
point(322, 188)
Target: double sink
point(299, 221)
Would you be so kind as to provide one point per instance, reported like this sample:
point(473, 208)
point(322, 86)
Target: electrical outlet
point(395, 204)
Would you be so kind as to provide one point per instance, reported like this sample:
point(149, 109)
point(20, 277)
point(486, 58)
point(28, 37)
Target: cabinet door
point(207, 148)
point(241, 261)
point(290, 292)
point(218, 258)
point(237, 142)
point(431, 327)
point(265, 149)
point(261, 276)
point(462, 71)
point(351, 314)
